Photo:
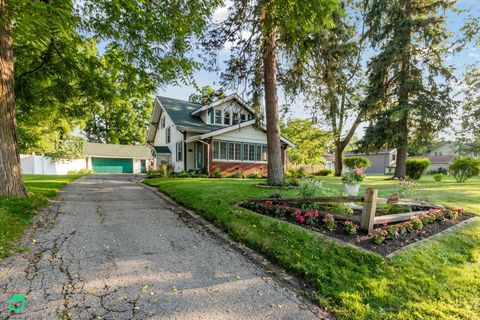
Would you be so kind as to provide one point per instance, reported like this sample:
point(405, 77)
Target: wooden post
point(369, 209)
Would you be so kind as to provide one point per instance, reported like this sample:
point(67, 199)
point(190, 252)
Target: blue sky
point(459, 61)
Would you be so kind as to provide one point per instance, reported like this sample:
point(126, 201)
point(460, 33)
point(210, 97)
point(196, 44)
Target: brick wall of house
point(229, 168)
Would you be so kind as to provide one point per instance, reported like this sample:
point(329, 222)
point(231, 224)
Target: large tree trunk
point(400, 165)
point(339, 149)
point(276, 174)
point(11, 183)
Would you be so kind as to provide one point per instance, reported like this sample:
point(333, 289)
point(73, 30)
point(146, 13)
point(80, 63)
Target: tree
point(258, 32)
point(330, 77)
point(207, 94)
point(407, 79)
point(160, 53)
point(311, 141)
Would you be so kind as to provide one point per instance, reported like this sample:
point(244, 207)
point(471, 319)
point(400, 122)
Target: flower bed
point(383, 240)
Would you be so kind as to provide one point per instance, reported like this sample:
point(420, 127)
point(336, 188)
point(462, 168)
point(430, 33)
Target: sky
point(459, 62)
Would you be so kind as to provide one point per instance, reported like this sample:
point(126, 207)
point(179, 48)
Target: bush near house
point(359, 162)
point(464, 168)
point(324, 172)
point(416, 168)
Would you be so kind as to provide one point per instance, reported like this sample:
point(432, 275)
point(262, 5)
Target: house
point(437, 162)
point(382, 162)
point(329, 160)
point(218, 136)
point(452, 148)
point(117, 158)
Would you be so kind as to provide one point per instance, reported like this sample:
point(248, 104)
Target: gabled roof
point(233, 96)
point(232, 128)
point(116, 150)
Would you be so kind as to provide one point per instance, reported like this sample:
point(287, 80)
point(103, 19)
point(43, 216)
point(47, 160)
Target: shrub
point(290, 182)
point(329, 222)
point(392, 231)
point(342, 209)
point(438, 177)
point(464, 168)
point(417, 223)
point(324, 172)
point(439, 170)
point(295, 172)
point(416, 167)
point(254, 175)
point(81, 171)
point(238, 175)
point(217, 173)
point(359, 162)
point(165, 171)
point(379, 235)
point(350, 227)
point(309, 189)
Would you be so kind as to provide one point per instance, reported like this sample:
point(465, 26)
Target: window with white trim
point(264, 154)
point(219, 150)
point(167, 135)
point(234, 151)
point(235, 119)
point(162, 122)
point(218, 116)
point(179, 147)
point(243, 117)
point(248, 152)
point(226, 118)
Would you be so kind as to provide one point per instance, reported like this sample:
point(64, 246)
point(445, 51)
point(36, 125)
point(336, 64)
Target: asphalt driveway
point(110, 249)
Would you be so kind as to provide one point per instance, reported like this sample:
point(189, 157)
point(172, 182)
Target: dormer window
point(218, 116)
point(226, 118)
point(243, 117)
point(235, 119)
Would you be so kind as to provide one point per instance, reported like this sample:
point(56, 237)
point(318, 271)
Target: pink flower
point(308, 214)
point(385, 223)
point(298, 212)
point(315, 213)
point(301, 219)
point(277, 206)
point(286, 206)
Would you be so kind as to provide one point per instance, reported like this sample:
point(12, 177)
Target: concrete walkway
point(110, 249)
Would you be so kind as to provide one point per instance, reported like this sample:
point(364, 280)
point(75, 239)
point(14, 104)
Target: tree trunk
point(276, 174)
point(400, 166)
point(339, 148)
point(11, 183)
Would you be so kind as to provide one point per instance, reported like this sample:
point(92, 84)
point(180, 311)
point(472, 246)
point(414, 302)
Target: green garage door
point(112, 165)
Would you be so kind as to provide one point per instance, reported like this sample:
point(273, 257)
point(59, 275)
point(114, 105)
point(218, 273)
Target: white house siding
point(175, 136)
point(245, 134)
point(34, 164)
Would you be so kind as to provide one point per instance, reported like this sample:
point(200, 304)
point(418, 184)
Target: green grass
point(439, 279)
point(16, 213)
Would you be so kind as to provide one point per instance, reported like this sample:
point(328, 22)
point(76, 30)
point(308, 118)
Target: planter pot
point(351, 189)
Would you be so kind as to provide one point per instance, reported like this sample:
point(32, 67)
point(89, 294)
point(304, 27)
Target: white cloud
point(221, 13)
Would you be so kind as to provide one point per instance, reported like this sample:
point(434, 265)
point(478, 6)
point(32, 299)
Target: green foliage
point(438, 177)
point(207, 94)
point(217, 173)
point(359, 162)
point(67, 149)
point(255, 175)
point(311, 141)
point(341, 209)
point(417, 167)
point(296, 172)
point(464, 168)
point(353, 176)
point(165, 171)
point(80, 172)
point(309, 188)
point(324, 172)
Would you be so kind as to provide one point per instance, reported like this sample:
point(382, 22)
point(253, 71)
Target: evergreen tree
point(407, 78)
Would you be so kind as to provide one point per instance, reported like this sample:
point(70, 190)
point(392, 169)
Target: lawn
point(439, 279)
point(16, 213)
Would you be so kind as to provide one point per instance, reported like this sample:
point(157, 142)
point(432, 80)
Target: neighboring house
point(452, 148)
point(329, 161)
point(99, 157)
point(382, 161)
point(221, 135)
point(117, 158)
point(437, 162)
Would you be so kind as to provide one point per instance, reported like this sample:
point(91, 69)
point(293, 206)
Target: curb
point(281, 277)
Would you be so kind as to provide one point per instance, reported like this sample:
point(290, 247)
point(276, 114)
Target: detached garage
point(117, 158)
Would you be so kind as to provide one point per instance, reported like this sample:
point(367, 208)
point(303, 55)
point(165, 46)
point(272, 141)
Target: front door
point(199, 156)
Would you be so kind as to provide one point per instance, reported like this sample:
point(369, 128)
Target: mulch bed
point(361, 239)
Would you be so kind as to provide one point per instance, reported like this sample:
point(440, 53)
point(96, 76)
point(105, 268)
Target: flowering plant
point(379, 235)
point(353, 176)
point(350, 227)
point(329, 222)
point(417, 223)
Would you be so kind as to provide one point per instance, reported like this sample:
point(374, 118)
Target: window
point(219, 150)
point(226, 118)
point(167, 135)
point(218, 116)
point(258, 153)
point(243, 117)
point(394, 156)
point(235, 118)
point(264, 154)
point(234, 151)
point(162, 122)
point(248, 152)
point(179, 151)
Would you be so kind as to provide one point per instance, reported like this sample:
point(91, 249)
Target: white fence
point(33, 164)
